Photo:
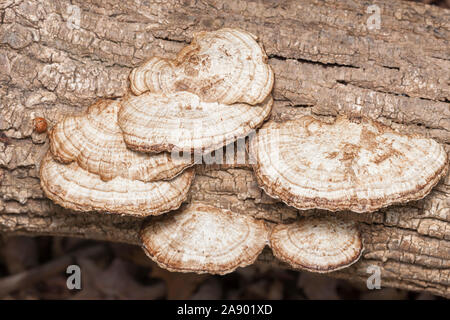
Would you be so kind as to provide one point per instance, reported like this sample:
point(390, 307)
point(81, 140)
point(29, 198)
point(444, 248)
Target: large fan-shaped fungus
point(75, 188)
point(360, 166)
point(182, 122)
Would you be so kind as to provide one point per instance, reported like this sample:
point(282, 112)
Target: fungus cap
point(182, 122)
point(75, 188)
point(94, 140)
point(226, 66)
point(346, 165)
point(204, 239)
point(317, 244)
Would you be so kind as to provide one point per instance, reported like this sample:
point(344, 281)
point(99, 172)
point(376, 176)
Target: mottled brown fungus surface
point(356, 165)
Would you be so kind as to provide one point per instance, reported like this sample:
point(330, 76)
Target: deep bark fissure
point(325, 65)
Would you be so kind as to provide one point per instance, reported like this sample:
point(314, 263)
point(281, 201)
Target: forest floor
point(117, 271)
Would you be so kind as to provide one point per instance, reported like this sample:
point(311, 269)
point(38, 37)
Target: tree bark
point(326, 61)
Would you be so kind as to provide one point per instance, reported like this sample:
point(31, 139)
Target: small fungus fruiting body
point(226, 66)
point(204, 239)
point(346, 165)
point(317, 244)
point(95, 142)
point(40, 125)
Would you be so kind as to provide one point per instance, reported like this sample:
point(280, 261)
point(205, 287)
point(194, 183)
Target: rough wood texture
point(325, 61)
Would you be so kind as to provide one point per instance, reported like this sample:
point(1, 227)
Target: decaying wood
point(326, 61)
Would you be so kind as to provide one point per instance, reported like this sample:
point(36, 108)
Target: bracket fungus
point(317, 244)
point(226, 66)
point(94, 140)
point(75, 188)
point(182, 122)
point(347, 165)
point(214, 92)
point(204, 239)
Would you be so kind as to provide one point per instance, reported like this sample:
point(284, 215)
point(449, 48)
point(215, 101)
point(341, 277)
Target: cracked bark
point(325, 60)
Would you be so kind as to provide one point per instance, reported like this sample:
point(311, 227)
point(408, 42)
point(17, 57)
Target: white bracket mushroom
point(182, 122)
point(226, 66)
point(347, 165)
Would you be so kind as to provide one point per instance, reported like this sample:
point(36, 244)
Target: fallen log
point(386, 60)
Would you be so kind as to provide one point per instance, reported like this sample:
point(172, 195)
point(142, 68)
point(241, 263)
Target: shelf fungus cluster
point(123, 157)
point(217, 90)
point(89, 168)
